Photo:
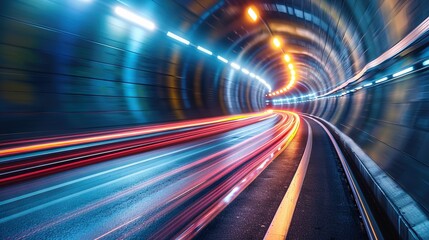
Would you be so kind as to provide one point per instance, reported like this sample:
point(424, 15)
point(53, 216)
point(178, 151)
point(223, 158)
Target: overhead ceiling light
point(222, 59)
point(235, 65)
point(245, 71)
point(204, 50)
point(381, 80)
point(178, 38)
point(425, 63)
point(287, 58)
point(252, 13)
point(407, 70)
point(132, 17)
point(276, 42)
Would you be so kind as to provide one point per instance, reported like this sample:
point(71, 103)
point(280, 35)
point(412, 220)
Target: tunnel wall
point(390, 122)
point(66, 67)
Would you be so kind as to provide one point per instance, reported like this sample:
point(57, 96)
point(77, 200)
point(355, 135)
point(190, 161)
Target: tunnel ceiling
point(76, 58)
point(329, 41)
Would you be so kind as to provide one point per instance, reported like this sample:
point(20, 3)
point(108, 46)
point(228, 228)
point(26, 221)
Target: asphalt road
point(250, 215)
point(325, 208)
point(225, 185)
point(153, 194)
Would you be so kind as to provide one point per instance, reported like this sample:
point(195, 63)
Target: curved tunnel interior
point(70, 66)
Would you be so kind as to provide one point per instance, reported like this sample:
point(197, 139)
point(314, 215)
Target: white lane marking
point(279, 227)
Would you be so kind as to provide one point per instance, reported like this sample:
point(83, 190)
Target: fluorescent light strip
point(222, 59)
point(358, 88)
point(235, 65)
point(263, 82)
point(367, 85)
point(400, 73)
point(425, 63)
point(381, 80)
point(178, 38)
point(252, 14)
point(204, 50)
point(132, 17)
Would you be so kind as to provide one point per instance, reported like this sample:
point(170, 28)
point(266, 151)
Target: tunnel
point(214, 119)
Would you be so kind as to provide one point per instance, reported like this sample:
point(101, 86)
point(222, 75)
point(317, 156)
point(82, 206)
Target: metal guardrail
point(405, 213)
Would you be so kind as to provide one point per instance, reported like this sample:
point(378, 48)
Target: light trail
point(115, 135)
point(12, 172)
point(209, 166)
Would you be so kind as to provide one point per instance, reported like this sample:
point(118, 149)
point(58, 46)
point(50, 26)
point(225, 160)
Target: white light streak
point(204, 50)
point(132, 17)
point(400, 73)
point(235, 65)
point(222, 59)
point(178, 38)
point(381, 80)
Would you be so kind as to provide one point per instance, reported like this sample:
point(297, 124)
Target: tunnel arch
point(74, 65)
